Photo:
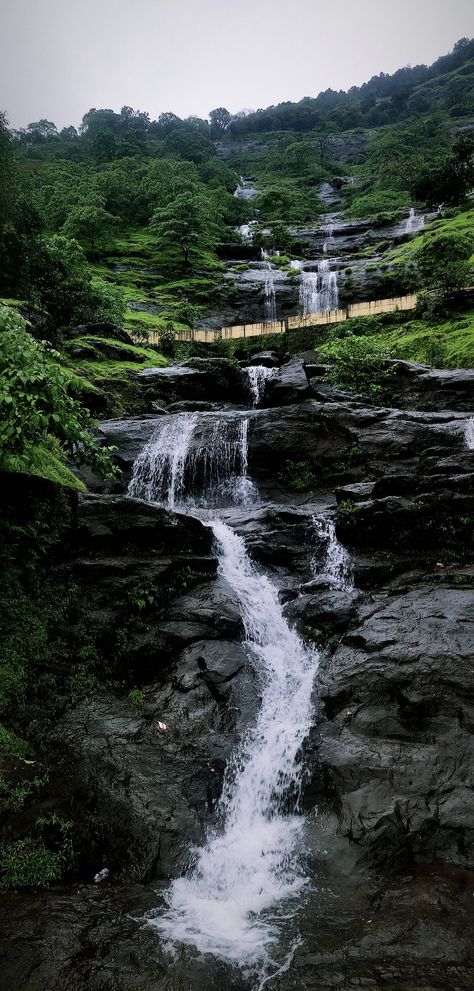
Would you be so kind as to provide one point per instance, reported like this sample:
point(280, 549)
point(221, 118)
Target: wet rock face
point(144, 793)
point(396, 744)
point(209, 379)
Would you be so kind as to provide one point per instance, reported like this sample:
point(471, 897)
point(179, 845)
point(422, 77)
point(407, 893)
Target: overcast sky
point(61, 57)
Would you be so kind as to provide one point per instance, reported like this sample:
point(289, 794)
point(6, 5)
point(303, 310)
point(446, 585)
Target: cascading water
point(319, 290)
point(329, 292)
point(257, 377)
point(414, 223)
point(469, 433)
point(309, 292)
point(230, 902)
point(190, 462)
point(158, 472)
point(330, 561)
point(236, 900)
point(329, 238)
point(269, 305)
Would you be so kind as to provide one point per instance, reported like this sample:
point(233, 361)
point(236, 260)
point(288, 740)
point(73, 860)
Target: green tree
point(90, 222)
point(36, 407)
point(188, 223)
point(358, 364)
point(220, 119)
point(60, 279)
point(443, 261)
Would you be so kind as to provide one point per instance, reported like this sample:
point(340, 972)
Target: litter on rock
point(162, 727)
point(101, 876)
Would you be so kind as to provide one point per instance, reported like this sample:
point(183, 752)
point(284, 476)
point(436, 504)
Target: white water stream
point(469, 433)
point(330, 560)
point(236, 900)
point(319, 290)
point(257, 377)
point(229, 904)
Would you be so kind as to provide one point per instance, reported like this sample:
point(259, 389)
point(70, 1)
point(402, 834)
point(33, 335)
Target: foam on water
point(245, 877)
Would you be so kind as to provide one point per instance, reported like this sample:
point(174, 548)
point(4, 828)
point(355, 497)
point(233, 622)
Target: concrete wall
point(239, 331)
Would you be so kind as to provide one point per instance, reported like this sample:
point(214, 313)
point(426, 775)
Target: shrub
point(36, 408)
point(359, 364)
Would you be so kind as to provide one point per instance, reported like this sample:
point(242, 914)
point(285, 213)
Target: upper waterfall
point(191, 461)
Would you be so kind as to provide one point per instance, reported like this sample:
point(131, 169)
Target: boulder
point(289, 386)
point(328, 611)
point(269, 359)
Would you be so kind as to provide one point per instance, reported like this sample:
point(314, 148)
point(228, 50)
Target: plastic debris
point(162, 727)
point(101, 876)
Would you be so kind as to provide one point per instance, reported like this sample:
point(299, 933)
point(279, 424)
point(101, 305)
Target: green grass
point(461, 223)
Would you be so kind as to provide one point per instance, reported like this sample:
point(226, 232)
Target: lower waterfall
point(235, 899)
point(230, 902)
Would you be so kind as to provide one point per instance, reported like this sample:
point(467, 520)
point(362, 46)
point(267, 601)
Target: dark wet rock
point(344, 443)
point(327, 611)
point(269, 359)
point(289, 386)
point(145, 795)
point(397, 744)
point(114, 523)
point(358, 492)
point(421, 512)
point(196, 406)
point(432, 388)
point(207, 379)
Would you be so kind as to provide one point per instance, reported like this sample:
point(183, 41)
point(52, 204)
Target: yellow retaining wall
point(239, 331)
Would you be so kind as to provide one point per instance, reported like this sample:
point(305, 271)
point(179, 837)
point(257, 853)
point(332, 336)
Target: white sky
point(59, 58)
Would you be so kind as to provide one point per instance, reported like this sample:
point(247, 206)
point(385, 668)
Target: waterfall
point(187, 459)
point(319, 290)
point(469, 433)
point(158, 472)
point(309, 292)
point(413, 223)
point(257, 377)
point(269, 306)
point(229, 904)
point(329, 231)
point(329, 292)
point(330, 560)
point(245, 232)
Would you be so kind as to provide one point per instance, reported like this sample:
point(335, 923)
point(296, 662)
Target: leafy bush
point(444, 261)
point(36, 408)
point(358, 363)
point(24, 864)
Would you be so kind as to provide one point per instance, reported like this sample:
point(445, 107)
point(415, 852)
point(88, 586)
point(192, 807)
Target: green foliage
point(188, 223)
point(379, 204)
point(137, 697)
point(358, 364)
point(297, 475)
point(12, 744)
point(167, 340)
point(24, 864)
point(91, 223)
point(444, 261)
point(30, 862)
point(36, 408)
